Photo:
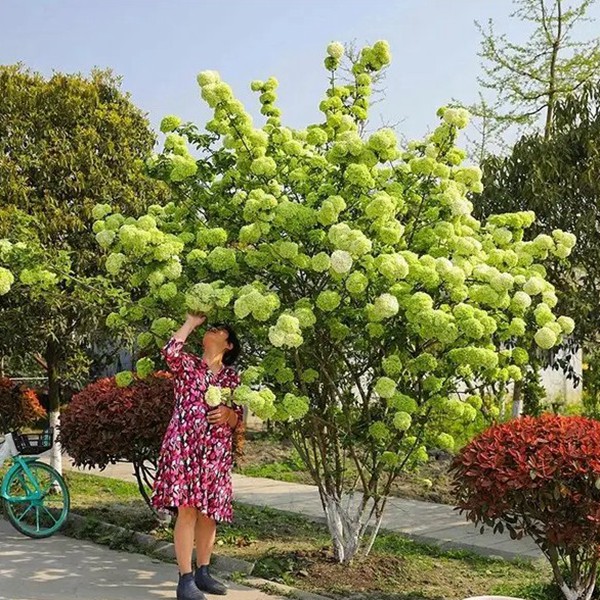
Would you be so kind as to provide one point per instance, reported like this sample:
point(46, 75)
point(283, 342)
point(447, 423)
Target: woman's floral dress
point(196, 458)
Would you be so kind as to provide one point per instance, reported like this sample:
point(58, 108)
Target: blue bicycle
point(34, 495)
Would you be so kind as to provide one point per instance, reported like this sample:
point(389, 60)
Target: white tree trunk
point(346, 529)
point(570, 594)
point(583, 583)
point(374, 535)
point(517, 406)
point(56, 454)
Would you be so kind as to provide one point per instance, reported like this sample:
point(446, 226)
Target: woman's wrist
point(184, 331)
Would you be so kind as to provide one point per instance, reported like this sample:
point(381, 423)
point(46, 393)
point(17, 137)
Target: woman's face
point(216, 340)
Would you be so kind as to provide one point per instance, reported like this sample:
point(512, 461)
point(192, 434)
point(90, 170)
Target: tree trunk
point(346, 529)
point(556, 47)
point(583, 579)
point(374, 533)
point(145, 479)
point(54, 402)
point(517, 405)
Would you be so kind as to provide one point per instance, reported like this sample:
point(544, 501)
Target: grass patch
point(109, 500)
point(290, 549)
point(281, 471)
point(272, 458)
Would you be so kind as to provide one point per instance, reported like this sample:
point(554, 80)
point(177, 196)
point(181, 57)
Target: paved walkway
point(60, 568)
point(427, 522)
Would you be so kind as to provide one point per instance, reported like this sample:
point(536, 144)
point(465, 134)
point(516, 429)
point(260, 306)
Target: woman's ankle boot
point(187, 589)
point(207, 584)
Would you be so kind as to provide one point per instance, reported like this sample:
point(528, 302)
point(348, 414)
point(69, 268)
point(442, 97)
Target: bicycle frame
point(9, 450)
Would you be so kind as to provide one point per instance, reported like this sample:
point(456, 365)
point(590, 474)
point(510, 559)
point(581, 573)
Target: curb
point(225, 565)
point(290, 592)
point(158, 548)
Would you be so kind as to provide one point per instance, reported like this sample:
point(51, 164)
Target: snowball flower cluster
point(384, 307)
point(260, 402)
point(392, 266)
point(328, 301)
point(213, 396)
point(286, 332)
point(341, 261)
point(124, 378)
point(354, 241)
point(402, 421)
point(357, 283)
point(253, 302)
point(204, 298)
point(6, 280)
point(385, 387)
point(144, 367)
point(168, 124)
point(295, 407)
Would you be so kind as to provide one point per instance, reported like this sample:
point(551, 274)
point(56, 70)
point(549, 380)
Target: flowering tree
point(373, 301)
point(553, 176)
point(539, 477)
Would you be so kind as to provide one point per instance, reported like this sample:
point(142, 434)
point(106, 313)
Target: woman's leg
point(206, 531)
point(183, 536)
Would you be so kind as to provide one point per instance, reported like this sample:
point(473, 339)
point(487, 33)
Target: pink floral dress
point(196, 458)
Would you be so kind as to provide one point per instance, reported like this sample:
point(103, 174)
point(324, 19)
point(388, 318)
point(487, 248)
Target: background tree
point(527, 79)
point(19, 406)
point(556, 176)
point(371, 301)
point(66, 143)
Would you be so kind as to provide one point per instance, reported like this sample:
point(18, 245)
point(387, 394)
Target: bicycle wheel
point(41, 516)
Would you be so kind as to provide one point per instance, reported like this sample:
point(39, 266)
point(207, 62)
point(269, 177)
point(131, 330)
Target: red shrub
point(541, 477)
point(105, 424)
point(19, 406)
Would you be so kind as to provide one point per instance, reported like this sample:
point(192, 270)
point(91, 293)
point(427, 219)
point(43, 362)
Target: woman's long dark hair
point(229, 358)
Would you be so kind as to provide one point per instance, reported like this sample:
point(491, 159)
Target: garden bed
point(290, 549)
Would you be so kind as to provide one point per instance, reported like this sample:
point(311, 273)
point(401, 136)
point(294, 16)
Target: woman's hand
point(221, 415)
point(195, 320)
point(191, 322)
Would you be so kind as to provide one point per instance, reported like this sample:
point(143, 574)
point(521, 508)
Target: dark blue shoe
point(207, 584)
point(187, 589)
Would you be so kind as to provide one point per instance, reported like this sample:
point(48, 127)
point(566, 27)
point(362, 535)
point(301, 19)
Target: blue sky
point(159, 46)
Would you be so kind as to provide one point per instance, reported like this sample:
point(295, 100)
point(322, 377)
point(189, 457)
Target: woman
point(196, 458)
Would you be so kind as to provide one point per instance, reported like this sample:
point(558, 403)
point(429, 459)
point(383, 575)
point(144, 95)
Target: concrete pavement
point(62, 568)
point(426, 522)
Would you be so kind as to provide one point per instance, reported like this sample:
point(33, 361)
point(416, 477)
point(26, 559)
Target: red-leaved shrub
point(105, 424)
point(540, 477)
point(19, 406)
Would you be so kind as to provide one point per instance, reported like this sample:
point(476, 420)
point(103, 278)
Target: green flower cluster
point(286, 332)
point(6, 280)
